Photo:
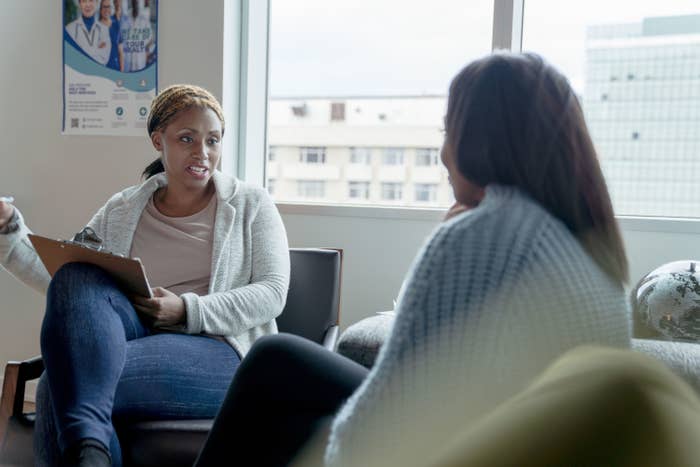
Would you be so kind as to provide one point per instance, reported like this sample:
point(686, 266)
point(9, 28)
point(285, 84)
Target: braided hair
point(168, 104)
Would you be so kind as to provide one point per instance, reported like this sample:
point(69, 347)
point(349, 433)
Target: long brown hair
point(170, 102)
point(513, 119)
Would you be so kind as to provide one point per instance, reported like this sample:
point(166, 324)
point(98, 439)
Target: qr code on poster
point(75, 123)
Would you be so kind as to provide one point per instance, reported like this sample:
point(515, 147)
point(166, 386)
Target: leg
point(83, 342)
point(46, 450)
point(285, 386)
point(173, 376)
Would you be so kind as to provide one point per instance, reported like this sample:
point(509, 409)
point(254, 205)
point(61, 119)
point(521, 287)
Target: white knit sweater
point(493, 296)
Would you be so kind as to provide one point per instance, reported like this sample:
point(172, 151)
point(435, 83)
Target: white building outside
point(358, 150)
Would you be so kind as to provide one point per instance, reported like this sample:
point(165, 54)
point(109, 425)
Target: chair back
point(313, 300)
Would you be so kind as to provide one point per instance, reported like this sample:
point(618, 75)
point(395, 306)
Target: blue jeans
point(104, 366)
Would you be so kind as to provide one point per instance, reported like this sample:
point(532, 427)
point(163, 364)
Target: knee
point(75, 278)
point(71, 273)
point(282, 350)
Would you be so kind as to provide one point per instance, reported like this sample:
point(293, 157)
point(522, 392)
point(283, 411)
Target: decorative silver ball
point(666, 303)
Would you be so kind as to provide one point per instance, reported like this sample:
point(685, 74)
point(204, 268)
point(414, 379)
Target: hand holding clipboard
point(6, 210)
point(86, 247)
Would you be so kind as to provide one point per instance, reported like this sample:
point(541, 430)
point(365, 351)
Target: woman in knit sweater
point(530, 263)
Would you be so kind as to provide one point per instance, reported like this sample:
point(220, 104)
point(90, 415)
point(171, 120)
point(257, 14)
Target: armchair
point(312, 311)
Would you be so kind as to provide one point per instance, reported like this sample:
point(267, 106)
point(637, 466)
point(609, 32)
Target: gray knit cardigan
point(250, 258)
point(494, 296)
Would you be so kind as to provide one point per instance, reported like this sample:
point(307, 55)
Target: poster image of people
point(110, 57)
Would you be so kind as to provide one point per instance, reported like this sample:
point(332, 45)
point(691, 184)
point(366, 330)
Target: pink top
point(176, 251)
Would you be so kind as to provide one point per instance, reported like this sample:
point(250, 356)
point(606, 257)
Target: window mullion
point(508, 25)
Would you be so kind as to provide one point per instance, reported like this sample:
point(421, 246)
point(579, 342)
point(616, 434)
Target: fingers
point(145, 302)
point(6, 212)
point(161, 292)
point(456, 208)
point(144, 309)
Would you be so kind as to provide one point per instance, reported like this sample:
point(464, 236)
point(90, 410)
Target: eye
point(213, 141)
point(186, 139)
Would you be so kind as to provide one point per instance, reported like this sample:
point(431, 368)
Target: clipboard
point(129, 273)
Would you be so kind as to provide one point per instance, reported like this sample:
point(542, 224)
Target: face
point(105, 9)
point(87, 7)
point(465, 192)
point(190, 147)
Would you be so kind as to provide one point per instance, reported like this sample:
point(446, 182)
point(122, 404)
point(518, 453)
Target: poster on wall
point(110, 62)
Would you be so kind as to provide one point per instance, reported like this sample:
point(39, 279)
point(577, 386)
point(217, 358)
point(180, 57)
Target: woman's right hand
point(6, 212)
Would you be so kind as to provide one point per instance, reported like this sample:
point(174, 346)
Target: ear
point(157, 140)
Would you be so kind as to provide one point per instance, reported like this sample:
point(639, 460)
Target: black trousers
point(286, 388)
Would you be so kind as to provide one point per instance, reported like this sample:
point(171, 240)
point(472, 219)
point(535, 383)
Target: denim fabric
point(103, 365)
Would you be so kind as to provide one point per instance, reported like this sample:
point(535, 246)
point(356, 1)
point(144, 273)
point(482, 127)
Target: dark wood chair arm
point(13, 387)
point(14, 383)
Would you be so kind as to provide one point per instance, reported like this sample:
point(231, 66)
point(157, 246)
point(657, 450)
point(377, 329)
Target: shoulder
point(504, 214)
point(239, 193)
point(70, 26)
point(127, 196)
point(250, 192)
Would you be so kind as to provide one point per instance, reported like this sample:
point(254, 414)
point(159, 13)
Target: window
point(312, 155)
point(635, 66)
point(392, 156)
point(362, 88)
point(360, 156)
point(337, 111)
point(391, 191)
point(271, 182)
point(426, 192)
point(271, 153)
point(311, 188)
point(358, 190)
point(426, 157)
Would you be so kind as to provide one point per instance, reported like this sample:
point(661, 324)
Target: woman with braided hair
point(216, 251)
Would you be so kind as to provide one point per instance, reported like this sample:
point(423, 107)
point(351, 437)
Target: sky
point(414, 47)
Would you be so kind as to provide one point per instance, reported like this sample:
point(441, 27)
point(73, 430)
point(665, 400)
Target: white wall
point(60, 181)
point(378, 251)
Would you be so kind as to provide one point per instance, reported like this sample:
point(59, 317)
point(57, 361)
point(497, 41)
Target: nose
point(200, 151)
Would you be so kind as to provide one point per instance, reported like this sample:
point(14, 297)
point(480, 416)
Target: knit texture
point(492, 298)
point(250, 258)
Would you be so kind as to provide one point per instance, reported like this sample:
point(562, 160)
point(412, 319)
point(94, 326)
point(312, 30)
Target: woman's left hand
point(455, 209)
point(164, 309)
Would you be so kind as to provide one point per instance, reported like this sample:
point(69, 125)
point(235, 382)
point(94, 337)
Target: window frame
point(394, 185)
point(316, 151)
point(396, 153)
point(432, 155)
point(430, 189)
point(364, 151)
point(252, 23)
point(360, 187)
point(308, 184)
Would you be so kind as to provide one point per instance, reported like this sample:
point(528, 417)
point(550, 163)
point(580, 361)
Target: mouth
point(199, 172)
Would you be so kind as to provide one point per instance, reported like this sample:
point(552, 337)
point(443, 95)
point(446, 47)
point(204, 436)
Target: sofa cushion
point(683, 358)
point(361, 341)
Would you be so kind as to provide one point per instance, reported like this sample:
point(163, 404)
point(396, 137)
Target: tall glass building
point(642, 104)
